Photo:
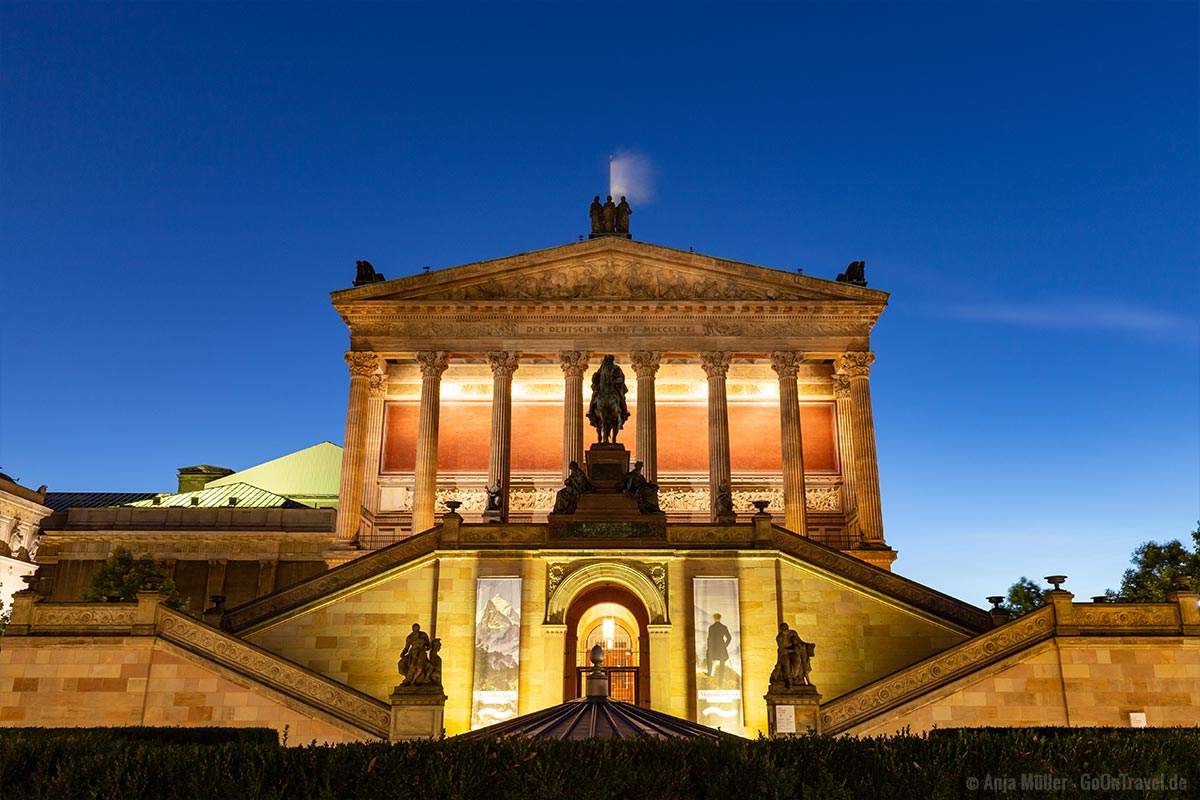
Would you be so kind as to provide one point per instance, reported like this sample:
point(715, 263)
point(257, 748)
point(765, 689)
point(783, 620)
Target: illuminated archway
point(592, 606)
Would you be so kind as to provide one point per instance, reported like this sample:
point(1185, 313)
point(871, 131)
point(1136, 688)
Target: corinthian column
point(362, 364)
point(503, 364)
point(645, 365)
point(845, 434)
point(374, 443)
point(786, 366)
point(574, 362)
point(433, 364)
point(716, 367)
point(857, 367)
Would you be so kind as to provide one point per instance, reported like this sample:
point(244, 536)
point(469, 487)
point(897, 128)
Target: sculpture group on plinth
point(609, 218)
point(420, 662)
point(793, 665)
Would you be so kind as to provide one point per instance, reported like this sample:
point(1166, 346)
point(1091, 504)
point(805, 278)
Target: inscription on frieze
point(602, 529)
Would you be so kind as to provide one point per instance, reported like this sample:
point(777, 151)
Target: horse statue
point(607, 411)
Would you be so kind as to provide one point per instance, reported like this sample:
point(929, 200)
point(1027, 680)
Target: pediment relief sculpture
point(613, 280)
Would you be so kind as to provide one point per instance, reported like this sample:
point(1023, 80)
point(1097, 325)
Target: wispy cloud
point(632, 176)
point(1085, 314)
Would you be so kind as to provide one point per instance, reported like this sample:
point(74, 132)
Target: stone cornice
point(628, 266)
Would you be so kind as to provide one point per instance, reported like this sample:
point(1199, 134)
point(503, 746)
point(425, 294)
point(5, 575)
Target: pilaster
point(660, 667)
point(794, 513)
point(362, 365)
point(645, 365)
point(573, 362)
point(716, 367)
point(503, 364)
point(373, 444)
point(433, 364)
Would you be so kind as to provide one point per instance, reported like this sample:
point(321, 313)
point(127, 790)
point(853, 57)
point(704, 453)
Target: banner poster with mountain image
point(497, 650)
point(718, 653)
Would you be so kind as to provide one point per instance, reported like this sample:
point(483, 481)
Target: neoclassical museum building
point(748, 394)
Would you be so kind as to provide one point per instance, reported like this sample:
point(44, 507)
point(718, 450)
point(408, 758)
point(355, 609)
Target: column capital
point(715, 363)
point(786, 364)
point(379, 383)
point(856, 364)
point(645, 362)
point(573, 362)
point(841, 386)
point(433, 363)
point(503, 363)
point(362, 362)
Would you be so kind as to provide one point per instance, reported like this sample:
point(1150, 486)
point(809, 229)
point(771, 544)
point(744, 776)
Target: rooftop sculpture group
point(610, 218)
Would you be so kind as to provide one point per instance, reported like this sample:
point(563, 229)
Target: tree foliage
point(1154, 568)
point(1024, 596)
point(122, 576)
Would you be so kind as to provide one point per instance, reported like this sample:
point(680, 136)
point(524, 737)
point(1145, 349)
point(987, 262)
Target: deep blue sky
point(182, 185)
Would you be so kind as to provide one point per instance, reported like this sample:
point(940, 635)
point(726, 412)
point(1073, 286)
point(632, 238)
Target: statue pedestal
point(417, 712)
point(792, 712)
point(606, 465)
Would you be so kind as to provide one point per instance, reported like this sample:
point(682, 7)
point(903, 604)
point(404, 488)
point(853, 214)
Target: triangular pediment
point(610, 269)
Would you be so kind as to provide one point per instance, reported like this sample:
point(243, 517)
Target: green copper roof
point(312, 472)
point(238, 495)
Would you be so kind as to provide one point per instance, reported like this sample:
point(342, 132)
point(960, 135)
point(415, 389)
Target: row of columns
point(358, 499)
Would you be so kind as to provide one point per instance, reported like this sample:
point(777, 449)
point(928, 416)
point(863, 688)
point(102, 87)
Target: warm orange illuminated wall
point(464, 435)
point(465, 431)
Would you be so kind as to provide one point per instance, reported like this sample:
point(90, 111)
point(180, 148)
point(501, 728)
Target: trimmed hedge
point(97, 763)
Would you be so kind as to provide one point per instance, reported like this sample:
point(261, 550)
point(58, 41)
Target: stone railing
point(328, 586)
point(911, 682)
point(1059, 617)
point(275, 672)
point(150, 617)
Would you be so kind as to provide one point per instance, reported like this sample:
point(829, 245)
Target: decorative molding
point(502, 535)
point(715, 363)
point(855, 364)
point(1119, 618)
point(645, 363)
point(573, 362)
point(362, 363)
point(907, 684)
point(433, 363)
point(733, 534)
point(646, 579)
point(823, 498)
point(612, 279)
point(379, 385)
point(786, 364)
point(75, 615)
point(322, 693)
point(503, 363)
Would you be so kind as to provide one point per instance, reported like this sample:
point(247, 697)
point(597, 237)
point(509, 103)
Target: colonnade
point(358, 498)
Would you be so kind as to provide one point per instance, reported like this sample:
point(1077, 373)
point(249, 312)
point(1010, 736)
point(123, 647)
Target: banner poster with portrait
point(497, 650)
point(718, 653)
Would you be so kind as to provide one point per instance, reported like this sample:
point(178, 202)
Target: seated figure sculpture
point(637, 486)
point(567, 499)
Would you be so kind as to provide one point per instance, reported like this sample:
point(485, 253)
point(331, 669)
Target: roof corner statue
point(609, 218)
point(367, 274)
point(854, 274)
point(607, 412)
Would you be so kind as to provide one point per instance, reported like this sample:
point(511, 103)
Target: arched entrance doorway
point(615, 618)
